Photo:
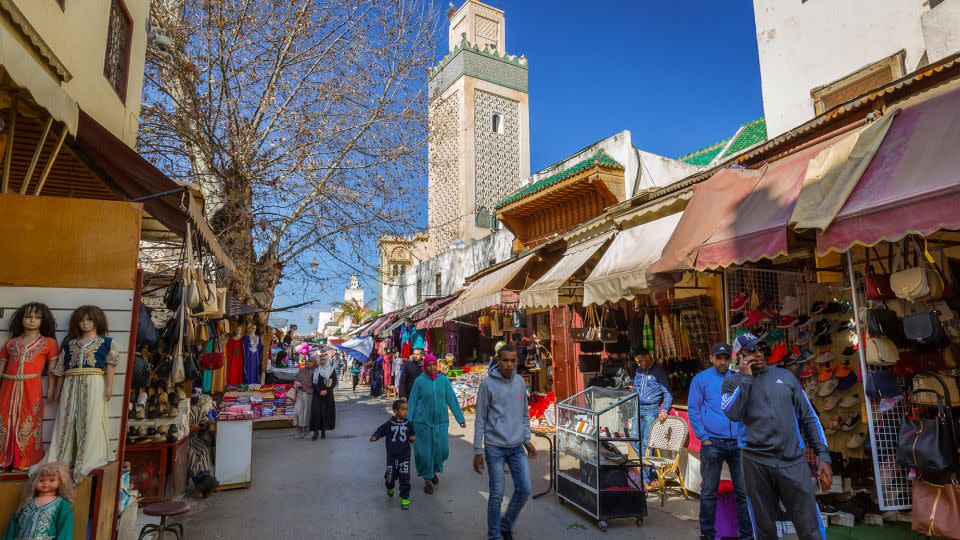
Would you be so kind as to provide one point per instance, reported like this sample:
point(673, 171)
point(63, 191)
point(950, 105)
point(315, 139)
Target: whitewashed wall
point(118, 306)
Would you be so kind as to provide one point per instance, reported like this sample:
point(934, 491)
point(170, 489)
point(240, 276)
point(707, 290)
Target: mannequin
point(32, 345)
point(83, 384)
point(234, 354)
point(252, 355)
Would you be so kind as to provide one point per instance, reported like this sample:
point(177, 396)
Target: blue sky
point(678, 75)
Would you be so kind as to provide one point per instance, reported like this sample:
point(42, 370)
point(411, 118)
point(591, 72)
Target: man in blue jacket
point(653, 387)
point(718, 439)
point(771, 404)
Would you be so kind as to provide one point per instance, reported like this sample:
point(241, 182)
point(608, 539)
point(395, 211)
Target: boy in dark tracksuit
point(398, 434)
point(774, 410)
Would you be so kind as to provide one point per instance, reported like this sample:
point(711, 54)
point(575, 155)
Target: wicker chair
point(667, 439)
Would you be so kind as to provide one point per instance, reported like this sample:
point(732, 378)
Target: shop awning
point(755, 227)
point(912, 185)
point(713, 199)
point(486, 291)
point(545, 292)
point(622, 271)
point(135, 177)
point(30, 76)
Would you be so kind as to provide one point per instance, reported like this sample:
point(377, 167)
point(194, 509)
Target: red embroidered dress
point(21, 400)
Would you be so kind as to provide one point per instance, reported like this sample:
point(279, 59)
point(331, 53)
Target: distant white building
point(817, 54)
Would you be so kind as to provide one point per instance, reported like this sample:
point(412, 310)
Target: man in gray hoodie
point(501, 433)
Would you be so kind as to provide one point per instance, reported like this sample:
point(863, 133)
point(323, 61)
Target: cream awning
point(485, 292)
point(27, 74)
point(622, 271)
point(545, 292)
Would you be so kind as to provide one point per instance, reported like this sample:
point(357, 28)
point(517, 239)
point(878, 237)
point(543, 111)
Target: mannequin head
point(33, 317)
point(86, 319)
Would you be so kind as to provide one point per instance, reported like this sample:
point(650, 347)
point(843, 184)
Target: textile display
point(21, 400)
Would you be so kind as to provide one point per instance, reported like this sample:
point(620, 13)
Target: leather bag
point(910, 284)
point(881, 384)
point(146, 331)
point(141, 372)
point(929, 387)
point(881, 351)
point(608, 332)
point(592, 324)
point(926, 444)
point(885, 322)
point(208, 297)
point(589, 363)
point(212, 360)
point(936, 509)
point(174, 295)
point(190, 370)
point(877, 284)
point(926, 330)
point(620, 346)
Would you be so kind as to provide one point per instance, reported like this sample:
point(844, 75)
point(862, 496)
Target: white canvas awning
point(546, 291)
point(27, 74)
point(485, 292)
point(622, 271)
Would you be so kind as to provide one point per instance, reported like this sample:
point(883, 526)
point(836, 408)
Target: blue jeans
point(516, 459)
point(712, 458)
point(647, 416)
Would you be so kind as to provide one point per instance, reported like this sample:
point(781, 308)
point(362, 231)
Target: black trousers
point(398, 469)
point(793, 485)
point(356, 381)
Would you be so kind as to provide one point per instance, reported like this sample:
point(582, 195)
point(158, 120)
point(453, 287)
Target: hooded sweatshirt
point(503, 419)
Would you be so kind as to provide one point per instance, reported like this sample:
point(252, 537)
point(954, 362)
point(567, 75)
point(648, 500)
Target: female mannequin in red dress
point(234, 353)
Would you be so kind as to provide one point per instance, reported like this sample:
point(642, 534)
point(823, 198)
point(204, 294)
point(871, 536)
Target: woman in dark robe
point(323, 408)
point(376, 378)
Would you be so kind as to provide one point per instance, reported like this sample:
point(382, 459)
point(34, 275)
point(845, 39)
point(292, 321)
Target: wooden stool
point(163, 510)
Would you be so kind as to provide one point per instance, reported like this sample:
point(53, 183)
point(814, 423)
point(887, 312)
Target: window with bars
point(116, 61)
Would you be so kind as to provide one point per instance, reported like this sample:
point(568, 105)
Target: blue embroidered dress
point(80, 433)
point(51, 521)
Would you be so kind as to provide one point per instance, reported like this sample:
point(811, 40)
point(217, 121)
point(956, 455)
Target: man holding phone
point(773, 407)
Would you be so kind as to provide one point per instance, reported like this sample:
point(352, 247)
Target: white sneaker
point(856, 441)
point(850, 400)
point(824, 357)
point(790, 305)
point(828, 387)
point(831, 402)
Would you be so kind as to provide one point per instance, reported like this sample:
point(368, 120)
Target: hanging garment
point(252, 355)
point(80, 434)
point(428, 403)
point(648, 342)
point(21, 400)
point(234, 354)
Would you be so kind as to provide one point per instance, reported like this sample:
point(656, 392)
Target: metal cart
point(595, 430)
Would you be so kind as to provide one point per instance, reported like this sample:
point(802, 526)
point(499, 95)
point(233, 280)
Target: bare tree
point(303, 122)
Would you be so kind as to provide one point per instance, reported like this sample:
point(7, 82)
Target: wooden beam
point(12, 129)
point(36, 156)
point(53, 158)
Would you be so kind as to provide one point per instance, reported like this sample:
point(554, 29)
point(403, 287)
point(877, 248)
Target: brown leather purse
point(936, 509)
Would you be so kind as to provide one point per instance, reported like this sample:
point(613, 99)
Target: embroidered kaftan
point(21, 400)
point(52, 521)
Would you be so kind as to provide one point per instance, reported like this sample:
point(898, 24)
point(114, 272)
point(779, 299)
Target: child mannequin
point(45, 511)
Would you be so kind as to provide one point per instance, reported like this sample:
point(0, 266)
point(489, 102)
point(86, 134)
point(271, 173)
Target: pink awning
point(912, 186)
point(756, 227)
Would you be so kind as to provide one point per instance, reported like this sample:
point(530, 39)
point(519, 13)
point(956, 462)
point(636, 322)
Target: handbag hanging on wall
point(936, 509)
point(577, 333)
point(877, 285)
point(925, 330)
point(608, 330)
point(591, 342)
point(927, 444)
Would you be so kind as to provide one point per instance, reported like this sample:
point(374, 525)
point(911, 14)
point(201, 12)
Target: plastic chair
point(663, 453)
point(163, 510)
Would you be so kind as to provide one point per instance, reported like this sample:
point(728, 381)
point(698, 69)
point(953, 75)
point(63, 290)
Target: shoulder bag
point(910, 283)
point(881, 384)
point(877, 285)
point(926, 444)
point(608, 332)
point(577, 333)
point(936, 509)
point(885, 322)
point(881, 351)
point(926, 330)
point(591, 341)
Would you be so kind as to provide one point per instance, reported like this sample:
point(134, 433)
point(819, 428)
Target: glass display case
point(596, 432)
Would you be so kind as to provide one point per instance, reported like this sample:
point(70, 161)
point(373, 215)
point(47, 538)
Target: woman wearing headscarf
point(323, 411)
point(376, 378)
point(431, 396)
point(303, 382)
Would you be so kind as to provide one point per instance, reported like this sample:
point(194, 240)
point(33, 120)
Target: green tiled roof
point(751, 134)
point(747, 135)
point(601, 158)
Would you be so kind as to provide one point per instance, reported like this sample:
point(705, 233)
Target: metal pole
point(36, 156)
point(50, 162)
point(9, 157)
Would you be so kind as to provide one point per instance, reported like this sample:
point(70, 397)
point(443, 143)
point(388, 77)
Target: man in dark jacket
point(774, 409)
point(411, 369)
point(718, 443)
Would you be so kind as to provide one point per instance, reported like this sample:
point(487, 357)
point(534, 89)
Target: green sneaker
point(405, 504)
point(389, 492)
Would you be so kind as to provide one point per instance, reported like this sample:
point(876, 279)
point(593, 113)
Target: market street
point(334, 488)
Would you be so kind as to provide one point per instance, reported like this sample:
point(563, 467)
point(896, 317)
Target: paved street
point(333, 488)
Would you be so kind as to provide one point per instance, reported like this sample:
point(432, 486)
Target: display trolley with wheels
point(596, 430)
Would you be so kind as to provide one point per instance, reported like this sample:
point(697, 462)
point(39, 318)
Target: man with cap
point(775, 411)
point(718, 439)
point(653, 388)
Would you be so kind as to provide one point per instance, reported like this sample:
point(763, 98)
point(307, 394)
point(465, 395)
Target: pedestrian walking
point(431, 396)
point(409, 372)
point(303, 384)
point(323, 410)
point(718, 439)
point(376, 378)
point(774, 409)
point(397, 433)
point(355, 374)
point(653, 388)
point(501, 432)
